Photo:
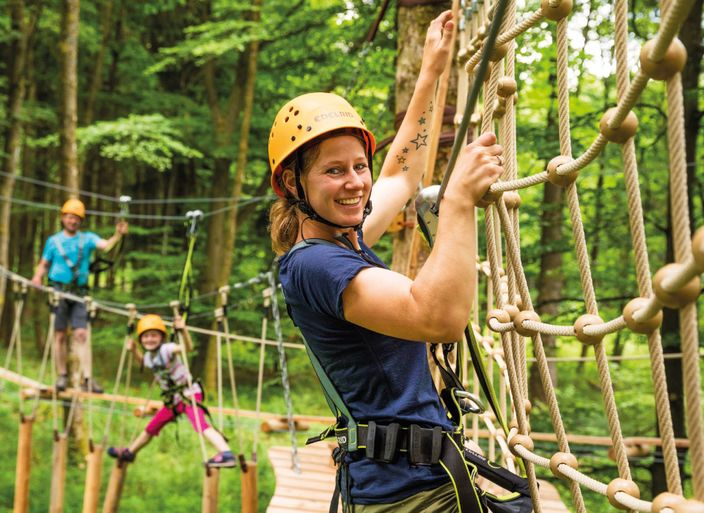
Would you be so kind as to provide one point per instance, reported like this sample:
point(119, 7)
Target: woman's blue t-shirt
point(379, 378)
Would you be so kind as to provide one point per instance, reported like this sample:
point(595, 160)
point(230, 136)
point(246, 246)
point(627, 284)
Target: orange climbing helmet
point(75, 207)
point(305, 118)
point(150, 322)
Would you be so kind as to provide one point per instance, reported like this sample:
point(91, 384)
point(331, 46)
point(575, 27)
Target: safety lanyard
point(186, 285)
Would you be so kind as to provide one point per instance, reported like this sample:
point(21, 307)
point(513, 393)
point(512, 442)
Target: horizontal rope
point(115, 199)
point(129, 215)
point(507, 36)
point(627, 500)
point(124, 312)
point(520, 183)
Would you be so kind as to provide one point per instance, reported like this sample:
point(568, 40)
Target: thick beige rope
point(513, 253)
point(635, 216)
point(683, 247)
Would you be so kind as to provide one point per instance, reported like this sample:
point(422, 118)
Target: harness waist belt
point(81, 290)
point(384, 443)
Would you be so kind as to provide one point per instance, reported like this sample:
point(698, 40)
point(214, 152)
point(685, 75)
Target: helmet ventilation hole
point(293, 137)
point(286, 120)
point(308, 128)
point(300, 126)
point(295, 113)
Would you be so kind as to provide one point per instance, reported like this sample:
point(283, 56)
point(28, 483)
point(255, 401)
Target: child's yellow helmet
point(150, 322)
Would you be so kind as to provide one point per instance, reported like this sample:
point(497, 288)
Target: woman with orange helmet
point(164, 359)
point(362, 322)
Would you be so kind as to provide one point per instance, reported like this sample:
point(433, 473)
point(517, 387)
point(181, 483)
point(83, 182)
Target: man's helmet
point(75, 207)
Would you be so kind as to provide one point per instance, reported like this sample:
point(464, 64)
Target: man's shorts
point(71, 312)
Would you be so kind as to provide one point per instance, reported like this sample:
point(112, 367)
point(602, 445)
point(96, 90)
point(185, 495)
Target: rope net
point(511, 316)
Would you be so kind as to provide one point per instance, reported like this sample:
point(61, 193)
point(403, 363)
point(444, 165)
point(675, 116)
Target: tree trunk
point(68, 161)
point(13, 134)
point(413, 23)
point(223, 124)
point(691, 36)
point(248, 106)
point(96, 80)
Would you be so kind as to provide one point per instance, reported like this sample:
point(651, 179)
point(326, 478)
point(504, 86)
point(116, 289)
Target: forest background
point(170, 100)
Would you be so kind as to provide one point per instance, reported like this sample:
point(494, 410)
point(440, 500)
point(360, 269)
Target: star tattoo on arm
point(421, 121)
point(400, 159)
point(420, 140)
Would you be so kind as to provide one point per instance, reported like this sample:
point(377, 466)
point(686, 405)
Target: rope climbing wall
point(676, 285)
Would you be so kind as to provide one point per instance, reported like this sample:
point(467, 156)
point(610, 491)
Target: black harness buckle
point(424, 445)
point(388, 438)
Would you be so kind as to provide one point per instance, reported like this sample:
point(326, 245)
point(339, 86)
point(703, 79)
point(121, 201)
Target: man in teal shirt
point(66, 260)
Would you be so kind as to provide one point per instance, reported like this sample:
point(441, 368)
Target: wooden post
point(24, 453)
point(114, 492)
point(211, 483)
point(91, 493)
point(58, 473)
point(250, 502)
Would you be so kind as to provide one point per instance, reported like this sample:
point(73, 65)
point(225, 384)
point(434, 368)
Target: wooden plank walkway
point(311, 490)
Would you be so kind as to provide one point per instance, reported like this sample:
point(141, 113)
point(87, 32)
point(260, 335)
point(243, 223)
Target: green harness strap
point(332, 396)
point(483, 377)
point(337, 405)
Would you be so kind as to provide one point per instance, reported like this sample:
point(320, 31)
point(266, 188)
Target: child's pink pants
point(166, 415)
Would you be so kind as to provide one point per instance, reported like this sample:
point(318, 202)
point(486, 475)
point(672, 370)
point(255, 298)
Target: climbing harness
point(422, 446)
point(75, 267)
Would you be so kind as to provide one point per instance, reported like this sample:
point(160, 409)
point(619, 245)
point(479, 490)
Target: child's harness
point(387, 443)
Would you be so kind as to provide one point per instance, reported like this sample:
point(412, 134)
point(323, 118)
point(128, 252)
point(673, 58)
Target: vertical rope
point(260, 372)
point(683, 247)
point(295, 463)
point(118, 376)
point(640, 248)
point(513, 252)
point(233, 385)
point(189, 379)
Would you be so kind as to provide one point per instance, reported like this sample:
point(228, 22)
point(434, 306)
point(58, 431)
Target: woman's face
point(339, 181)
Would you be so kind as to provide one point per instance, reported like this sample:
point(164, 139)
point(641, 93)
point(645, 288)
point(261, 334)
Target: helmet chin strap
point(306, 208)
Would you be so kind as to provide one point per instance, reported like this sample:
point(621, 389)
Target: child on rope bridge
point(172, 375)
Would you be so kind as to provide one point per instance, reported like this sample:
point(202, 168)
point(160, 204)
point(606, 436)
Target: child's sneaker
point(222, 460)
point(122, 454)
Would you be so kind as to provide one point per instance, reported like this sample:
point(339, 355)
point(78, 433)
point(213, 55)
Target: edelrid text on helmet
point(75, 207)
point(150, 322)
point(306, 118)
